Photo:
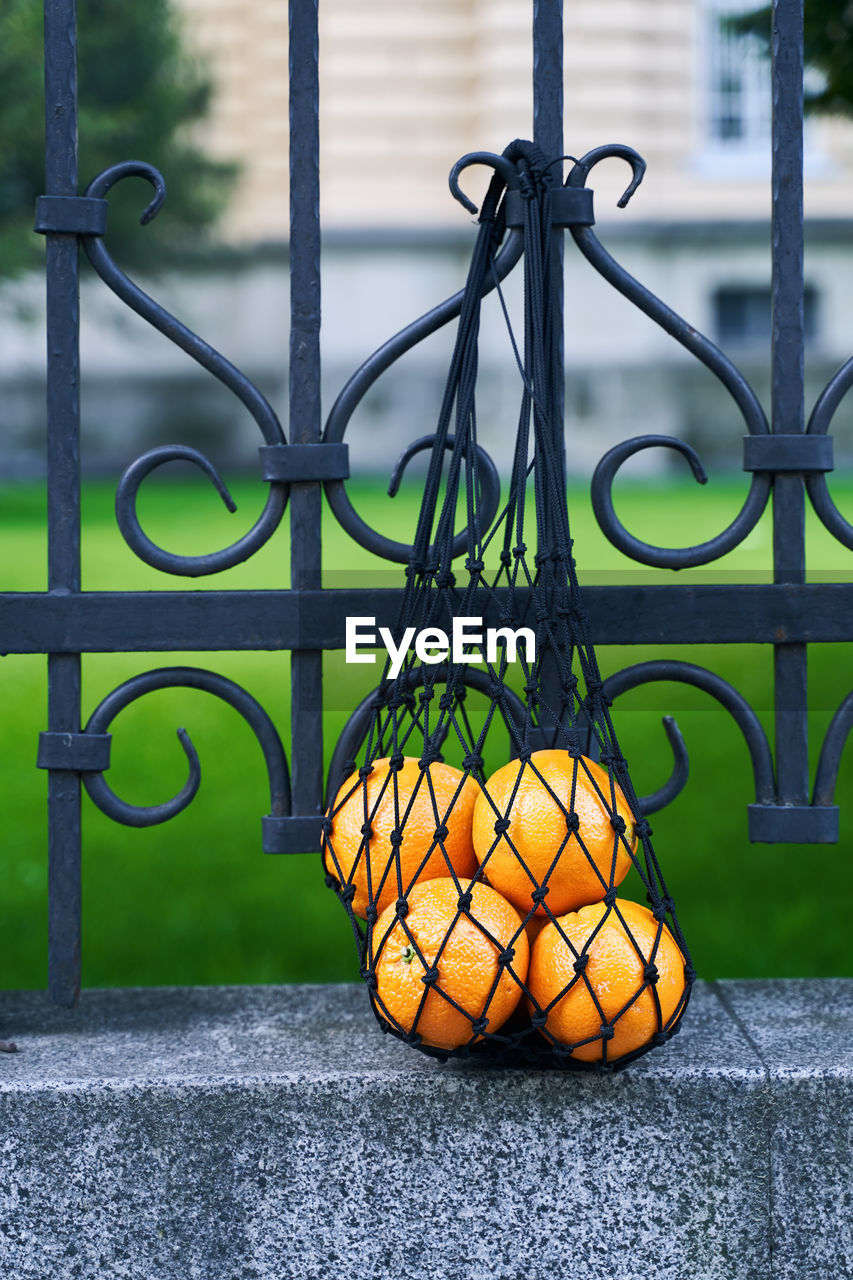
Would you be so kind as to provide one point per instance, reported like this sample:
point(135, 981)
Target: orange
point(426, 802)
point(534, 927)
point(539, 847)
point(469, 972)
point(614, 972)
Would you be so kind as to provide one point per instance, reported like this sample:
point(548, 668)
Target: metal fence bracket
point(300, 463)
point(76, 752)
point(71, 215)
point(787, 451)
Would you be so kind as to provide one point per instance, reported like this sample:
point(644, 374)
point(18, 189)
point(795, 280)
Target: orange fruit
point(468, 971)
point(427, 802)
point(539, 847)
point(614, 971)
point(534, 927)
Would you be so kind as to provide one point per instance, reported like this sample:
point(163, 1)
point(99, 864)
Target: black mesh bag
point(482, 819)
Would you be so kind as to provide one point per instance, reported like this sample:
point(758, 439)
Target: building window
point(742, 314)
point(738, 109)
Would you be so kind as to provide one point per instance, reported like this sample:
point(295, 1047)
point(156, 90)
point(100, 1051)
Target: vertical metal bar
point(63, 480)
point(548, 135)
point(305, 409)
point(792, 766)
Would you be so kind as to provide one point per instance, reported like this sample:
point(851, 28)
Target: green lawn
point(195, 901)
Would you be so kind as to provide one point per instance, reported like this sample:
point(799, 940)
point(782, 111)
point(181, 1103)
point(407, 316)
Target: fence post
point(63, 475)
point(789, 560)
point(306, 679)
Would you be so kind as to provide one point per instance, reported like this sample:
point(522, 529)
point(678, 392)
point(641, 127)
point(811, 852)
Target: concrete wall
point(407, 86)
point(261, 1133)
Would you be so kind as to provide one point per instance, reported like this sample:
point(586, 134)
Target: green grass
point(195, 901)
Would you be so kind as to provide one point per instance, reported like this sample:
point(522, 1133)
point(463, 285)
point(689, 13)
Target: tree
point(828, 50)
point(140, 93)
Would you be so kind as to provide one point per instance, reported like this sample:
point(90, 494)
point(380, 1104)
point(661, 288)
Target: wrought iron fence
point(788, 460)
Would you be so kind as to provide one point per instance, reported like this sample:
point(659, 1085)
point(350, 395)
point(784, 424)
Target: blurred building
point(407, 86)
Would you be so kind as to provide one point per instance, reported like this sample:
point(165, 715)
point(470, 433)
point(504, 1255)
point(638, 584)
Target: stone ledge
point(274, 1132)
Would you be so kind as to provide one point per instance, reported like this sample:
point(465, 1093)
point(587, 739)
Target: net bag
point(482, 819)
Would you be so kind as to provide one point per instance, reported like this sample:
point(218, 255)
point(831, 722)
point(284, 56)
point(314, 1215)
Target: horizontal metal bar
point(71, 215)
point(787, 451)
point(207, 621)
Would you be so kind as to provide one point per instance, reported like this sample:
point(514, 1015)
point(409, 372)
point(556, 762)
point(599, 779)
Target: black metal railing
point(788, 460)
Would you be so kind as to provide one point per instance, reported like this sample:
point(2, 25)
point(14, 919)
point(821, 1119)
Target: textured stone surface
point(803, 1034)
point(274, 1132)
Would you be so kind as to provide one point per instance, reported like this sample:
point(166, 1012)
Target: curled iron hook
point(675, 784)
point(211, 360)
point(615, 150)
point(501, 165)
point(605, 513)
point(196, 566)
point(132, 815)
point(490, 484)
point(601, 493)
point(663, 669)
point(107, 178)
point(128, 522)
